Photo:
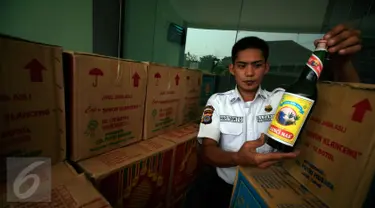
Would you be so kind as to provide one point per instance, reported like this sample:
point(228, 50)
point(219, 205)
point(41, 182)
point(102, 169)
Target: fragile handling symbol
point(157, 76)
point(95, 72)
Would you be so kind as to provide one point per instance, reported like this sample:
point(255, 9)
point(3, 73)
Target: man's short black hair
point(250, 43)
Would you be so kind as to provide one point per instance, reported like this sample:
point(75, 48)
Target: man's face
point(249, 69)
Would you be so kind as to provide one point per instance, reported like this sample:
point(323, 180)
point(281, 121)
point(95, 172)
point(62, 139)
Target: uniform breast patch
point(231, 119)
point(207, 114)
point(268, 108)
point(264, 118)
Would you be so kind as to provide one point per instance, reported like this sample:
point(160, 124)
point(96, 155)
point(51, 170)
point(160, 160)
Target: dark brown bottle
point(296, 104)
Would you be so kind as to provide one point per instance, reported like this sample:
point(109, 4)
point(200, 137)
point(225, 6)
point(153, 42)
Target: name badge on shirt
point(264, 118)
point(231, 119)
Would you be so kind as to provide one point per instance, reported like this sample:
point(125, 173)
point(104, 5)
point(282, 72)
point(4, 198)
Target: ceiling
point(297, 54)
point(304, 16)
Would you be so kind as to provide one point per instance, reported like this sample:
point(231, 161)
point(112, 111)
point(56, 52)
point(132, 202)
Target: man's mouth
point(249, 82)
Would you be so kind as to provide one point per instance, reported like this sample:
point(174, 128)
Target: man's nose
point(249, 71)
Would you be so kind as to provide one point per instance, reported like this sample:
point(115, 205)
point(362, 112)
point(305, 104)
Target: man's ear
point(231, 69)
point(267, 69)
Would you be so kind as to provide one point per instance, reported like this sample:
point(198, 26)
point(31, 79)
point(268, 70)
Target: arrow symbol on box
point(35, 69)
point(136, 79)
point(177, 79)
point(360, 110)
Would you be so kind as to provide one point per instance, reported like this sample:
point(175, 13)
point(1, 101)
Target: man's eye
point(258, 65)
point(241, 66)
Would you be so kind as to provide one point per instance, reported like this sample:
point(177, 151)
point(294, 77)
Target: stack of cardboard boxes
point(32, 124)
point(126, 125)
point(337, 162)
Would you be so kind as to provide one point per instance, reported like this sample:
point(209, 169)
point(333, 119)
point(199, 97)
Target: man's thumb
point(259, 142)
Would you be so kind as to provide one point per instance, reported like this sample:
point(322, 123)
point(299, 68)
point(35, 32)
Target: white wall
point(146, 27)
point(66, 23)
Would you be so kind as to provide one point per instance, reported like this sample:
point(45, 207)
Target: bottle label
point(289, 118)
point(315, 64)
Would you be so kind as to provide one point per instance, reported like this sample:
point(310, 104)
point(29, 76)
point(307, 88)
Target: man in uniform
point(233, 122)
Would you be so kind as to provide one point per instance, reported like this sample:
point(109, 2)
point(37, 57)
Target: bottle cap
point(322, 40)
point(322, 44)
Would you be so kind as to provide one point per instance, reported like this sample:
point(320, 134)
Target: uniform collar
point(236, 96)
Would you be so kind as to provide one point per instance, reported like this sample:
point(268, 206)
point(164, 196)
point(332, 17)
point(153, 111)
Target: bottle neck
point(314, 66)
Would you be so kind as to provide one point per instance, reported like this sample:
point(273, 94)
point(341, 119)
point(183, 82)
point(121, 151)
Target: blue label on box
point(245, 195)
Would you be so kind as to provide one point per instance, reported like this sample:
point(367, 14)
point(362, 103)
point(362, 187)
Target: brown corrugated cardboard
point(163, 100)
point(185, 160)
point(60, 173)
point(32, 111)
point(272, 187)
point(337, 160)
point(106, 98)
point(191, 81)
point(78, 192)
point(69, 190)
point(133, 176)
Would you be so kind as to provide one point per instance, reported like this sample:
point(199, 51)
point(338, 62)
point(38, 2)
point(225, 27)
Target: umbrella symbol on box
point(95, 72)
point(157, 76)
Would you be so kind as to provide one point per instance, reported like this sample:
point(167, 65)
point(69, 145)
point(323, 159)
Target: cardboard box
point(189, 108)
point(60, 173)
point(272, 187)
point(163, 100)
point(106, 97)
point(133, 176)
point(32, 111)
point(69, 190)
point(185, 160)
point(338, 145)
